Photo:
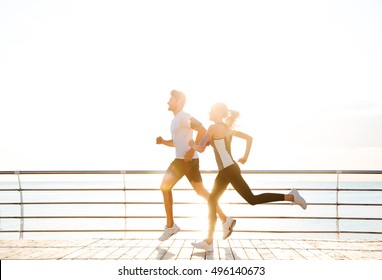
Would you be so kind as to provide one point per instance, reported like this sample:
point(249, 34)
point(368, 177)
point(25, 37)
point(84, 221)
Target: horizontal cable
point(186, 230)
point(140, 172)
point(179, 189)
point(180, 203)
point(190, 217)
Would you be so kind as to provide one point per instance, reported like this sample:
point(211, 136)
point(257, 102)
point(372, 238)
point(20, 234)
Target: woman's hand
point(243, 160)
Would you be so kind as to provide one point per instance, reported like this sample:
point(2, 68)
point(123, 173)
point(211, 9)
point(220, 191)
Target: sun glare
point(99, 89)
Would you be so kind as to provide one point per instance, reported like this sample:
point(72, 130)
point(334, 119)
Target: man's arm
point(201, 132)
point(169, 143)
point(197, 126)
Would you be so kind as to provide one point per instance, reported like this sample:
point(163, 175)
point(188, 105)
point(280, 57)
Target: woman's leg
point(241, 186)
point(220, 185)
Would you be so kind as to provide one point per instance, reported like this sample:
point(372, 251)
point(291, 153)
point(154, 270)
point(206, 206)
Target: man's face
point(172, 104)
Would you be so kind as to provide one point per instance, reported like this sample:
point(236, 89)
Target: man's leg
point(202, 191)
point(172, 176)
point(195, 178)
point(168, 183)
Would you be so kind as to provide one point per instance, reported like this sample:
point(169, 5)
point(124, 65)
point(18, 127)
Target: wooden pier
point(181, 249)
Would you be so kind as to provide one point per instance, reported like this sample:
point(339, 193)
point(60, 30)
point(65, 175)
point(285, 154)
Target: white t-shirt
point(182, 133)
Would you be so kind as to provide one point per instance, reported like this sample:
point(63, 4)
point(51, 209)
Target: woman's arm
point(204, 142)
point(248, 138)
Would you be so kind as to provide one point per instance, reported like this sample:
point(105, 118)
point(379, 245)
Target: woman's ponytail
point(231, 118)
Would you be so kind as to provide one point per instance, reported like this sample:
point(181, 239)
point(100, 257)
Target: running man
point(186, 164)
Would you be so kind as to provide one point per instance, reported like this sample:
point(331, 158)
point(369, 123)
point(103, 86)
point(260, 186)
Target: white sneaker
point(168, 232)
point(228, 227)
point(203, 245)
point(298, 199)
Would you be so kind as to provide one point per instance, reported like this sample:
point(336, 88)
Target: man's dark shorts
point(178, 168)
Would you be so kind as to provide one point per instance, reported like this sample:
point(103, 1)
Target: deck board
point(181, 249)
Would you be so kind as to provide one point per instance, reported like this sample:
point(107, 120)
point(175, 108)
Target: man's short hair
point(180, 96)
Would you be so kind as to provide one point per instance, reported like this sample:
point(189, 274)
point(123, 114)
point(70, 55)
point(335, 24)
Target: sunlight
point(97, 90)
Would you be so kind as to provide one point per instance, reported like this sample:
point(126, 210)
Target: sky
point(84, 85)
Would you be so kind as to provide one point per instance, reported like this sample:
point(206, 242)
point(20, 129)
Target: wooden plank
point(274, 247)
point(250, 250)
point(186, 251)
point(120, 248)
point(18, 254)
point(304, 253)
point(149, 249)
point(161, 250)
point(198, 254)
point(263, 250)
point(75, 253)
point(327, 248)
point(28, 253)
point(181, 249)
point(215, 254)
point(356, 250)
point(7, 253)
point(75, 245)
point(313, 250)
point(135, 250)
point(287, 252)
point(237, 249)
point(174, 250)
point(104, 252)
point(128, 248)
point(225, 251)
point(58, 253)
point(117, 253)
point(113, 249)
point(40, 253)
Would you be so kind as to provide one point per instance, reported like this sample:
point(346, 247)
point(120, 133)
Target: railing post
point(21, 232)
point(337, 202)
point(125, 200)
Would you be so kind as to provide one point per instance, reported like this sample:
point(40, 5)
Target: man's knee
point(202, 192)
point(165, 188)
point(200, 189)
point(168, 183)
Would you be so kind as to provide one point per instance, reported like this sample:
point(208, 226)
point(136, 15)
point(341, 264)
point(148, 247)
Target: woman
point(219, 136)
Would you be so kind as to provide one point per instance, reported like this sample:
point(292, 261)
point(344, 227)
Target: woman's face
point(215, 114)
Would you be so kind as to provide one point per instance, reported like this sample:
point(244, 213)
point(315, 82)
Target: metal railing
point(127, 212)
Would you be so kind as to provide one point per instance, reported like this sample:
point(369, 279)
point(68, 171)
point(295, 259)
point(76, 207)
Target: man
point(186, 163)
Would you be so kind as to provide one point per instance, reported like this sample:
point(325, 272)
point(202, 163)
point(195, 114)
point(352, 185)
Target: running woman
point(219, 136)
point(186, 163)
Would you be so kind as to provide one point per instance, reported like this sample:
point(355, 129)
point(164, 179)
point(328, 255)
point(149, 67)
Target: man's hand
point(191, 143)
point(159, 140)
point(189, 155)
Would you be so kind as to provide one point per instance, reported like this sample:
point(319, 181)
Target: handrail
point(138, 172)
point(125, 203)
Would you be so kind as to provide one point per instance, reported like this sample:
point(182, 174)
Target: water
point(316, 190)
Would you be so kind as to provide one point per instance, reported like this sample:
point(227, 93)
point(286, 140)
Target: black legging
point(232, 174)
